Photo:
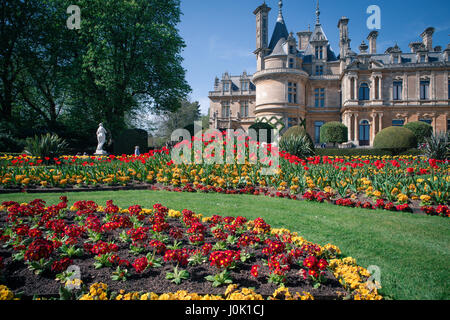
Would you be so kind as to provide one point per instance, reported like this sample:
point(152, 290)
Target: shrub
point(420, 129)
point(261, 126)
point(395, 139)
point(8, 143)
point(297, 131)
point(437, 146)
point(298, 145)
point(333, 132)
point(125, 142)
point(48, 145)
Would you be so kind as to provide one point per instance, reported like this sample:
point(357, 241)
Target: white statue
point(101, 138)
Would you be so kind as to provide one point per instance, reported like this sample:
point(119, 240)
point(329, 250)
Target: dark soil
point(20, 279)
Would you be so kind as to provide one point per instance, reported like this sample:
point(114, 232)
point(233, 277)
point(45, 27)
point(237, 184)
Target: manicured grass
point(412, 251)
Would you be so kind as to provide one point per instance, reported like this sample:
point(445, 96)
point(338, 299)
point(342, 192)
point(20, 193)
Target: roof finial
point(280, 10)
point(318, 13)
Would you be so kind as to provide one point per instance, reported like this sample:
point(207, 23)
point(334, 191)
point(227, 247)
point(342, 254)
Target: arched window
point(364, 92)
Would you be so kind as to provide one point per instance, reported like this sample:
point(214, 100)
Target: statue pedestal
point(100, 153)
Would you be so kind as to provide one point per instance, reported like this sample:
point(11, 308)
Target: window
point(448, 89)
point(292, 92)
point(244, 85)
point(396, 59)
point(292, 122)
point(319, 97)
point(291, 50)
point(244, 109)
point(398, 123)
point(424, 89)
point(422, 58)
point(448, 125)
point(317, 126)
point(364, 133)
point(352, 88)
point(364, 92)
point(319, 52)
point(428, 121)
point(291, 63)
point(226, 109)
point(319, 70)
point(397, 88)
point(226, 86)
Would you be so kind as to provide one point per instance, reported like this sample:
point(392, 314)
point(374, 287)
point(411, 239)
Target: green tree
point(16, 34)
point(131, 58)
point(333, 132)
point(184, 117)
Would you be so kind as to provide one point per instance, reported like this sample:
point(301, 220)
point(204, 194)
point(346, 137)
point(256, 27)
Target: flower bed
point(159, 253)
point(402, 183)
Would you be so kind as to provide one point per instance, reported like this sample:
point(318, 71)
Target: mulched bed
point(19, 278)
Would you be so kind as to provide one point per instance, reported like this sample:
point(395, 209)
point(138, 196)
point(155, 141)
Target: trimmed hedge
point(395, 139)
point(363, 152)
point(420, 129)
point(333, 132)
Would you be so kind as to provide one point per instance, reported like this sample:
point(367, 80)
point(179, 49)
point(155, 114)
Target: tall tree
point(16, 34)
point(50, 65)
point(131, 58)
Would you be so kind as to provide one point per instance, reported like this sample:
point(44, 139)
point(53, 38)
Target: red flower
point(254, 271)
point(140, 264)
point(61, 265)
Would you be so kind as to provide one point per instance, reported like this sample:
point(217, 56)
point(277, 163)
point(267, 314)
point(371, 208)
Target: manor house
point(300, 80)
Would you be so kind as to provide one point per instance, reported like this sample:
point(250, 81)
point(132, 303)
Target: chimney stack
point(372, 37)
point(427, 38)
point(303, 39)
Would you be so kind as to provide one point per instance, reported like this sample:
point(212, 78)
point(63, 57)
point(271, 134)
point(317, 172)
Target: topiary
point(395, 139)
point(421, 130)
point(297, 131)
point(333, 132)
point(262, 126)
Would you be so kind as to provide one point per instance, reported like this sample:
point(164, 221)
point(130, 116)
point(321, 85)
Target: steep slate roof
point(318, 35)
point(279, 32)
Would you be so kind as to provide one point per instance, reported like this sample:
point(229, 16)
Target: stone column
point(356, 129)
point(380, 122)
point(373, 128)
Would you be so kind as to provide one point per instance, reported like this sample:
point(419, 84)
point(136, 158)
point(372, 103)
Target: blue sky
point(220, 35)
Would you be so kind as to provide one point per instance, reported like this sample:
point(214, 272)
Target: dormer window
point(244, 85)
point(226, 86)
point(319, 52)
point(319, 70)
point(291, 49)
point(396, 59)
point(291, 63)
point(423, 58)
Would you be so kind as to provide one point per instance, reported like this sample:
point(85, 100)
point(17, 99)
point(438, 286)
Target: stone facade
point(302, 81)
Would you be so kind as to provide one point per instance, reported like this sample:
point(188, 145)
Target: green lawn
point(412, 251)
